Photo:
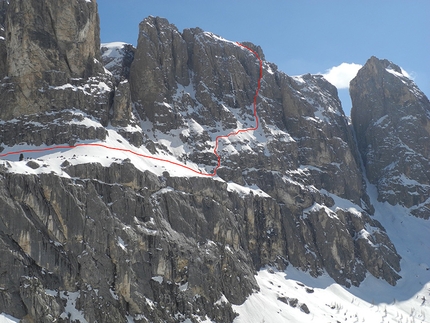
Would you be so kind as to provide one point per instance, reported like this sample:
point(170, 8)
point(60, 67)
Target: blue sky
point(303, 36)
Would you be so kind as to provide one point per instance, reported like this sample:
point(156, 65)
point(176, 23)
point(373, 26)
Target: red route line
point(233, 133)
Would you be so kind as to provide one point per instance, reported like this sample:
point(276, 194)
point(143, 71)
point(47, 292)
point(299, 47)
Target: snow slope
point(4, 318)
point(51, 160)
point(373, 301)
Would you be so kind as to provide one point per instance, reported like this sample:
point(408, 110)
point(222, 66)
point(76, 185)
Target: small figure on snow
point(21, 157)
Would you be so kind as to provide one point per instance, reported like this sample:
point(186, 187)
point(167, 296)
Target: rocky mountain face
point(391, 117)
point(302, 154)
point(52, 77)
point(3, 53)
point(90, 241)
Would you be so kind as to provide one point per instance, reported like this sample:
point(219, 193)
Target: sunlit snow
point(4, 318)
point(373, 301)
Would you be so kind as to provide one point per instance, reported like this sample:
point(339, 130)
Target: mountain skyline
point(334, 37)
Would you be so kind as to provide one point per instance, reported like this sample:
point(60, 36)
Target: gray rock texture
point(3, 51)
point(48, 42)
point(303, 152)
point(391, 117)
point(117, 58)
point(116, 243)
point(145, 246)
point(52, 75)
point(127, 243)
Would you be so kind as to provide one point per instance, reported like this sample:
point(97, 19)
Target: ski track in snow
point(160, 159)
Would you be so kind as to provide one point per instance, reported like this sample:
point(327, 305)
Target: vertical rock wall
point(391, 117)
point(48, 44)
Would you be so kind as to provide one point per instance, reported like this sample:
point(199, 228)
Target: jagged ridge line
point(233, 133)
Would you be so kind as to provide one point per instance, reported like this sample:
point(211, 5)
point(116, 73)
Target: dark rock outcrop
point(48, 43)
point(3, 51)
point(391, 117)
point(54, 82)
point(153, 79)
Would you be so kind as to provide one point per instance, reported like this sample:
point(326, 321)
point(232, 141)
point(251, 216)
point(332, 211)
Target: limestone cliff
point(52, 75)
point(95, 236)
point(391, 117)
point(48, 42)
point(303, 152)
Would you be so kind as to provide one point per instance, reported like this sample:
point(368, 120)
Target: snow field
point(373, 301)
point(4, 318)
